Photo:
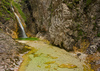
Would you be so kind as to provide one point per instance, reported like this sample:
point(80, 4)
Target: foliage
point(19, 10)
point(6, 3)
point(88, 2)
point(70, 5)
point(7, 18)
point(5, 11)
point(80, 32)
point(98, 34)
point(0, 13)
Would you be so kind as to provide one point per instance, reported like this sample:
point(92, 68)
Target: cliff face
point(66, 22)
point(7, 19)
point(9, 52)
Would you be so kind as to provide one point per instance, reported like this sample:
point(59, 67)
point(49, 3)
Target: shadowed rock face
point(66, 22)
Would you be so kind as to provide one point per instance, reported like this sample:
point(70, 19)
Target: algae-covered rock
point(67, 66)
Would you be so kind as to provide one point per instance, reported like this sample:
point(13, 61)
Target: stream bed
point(45, 57)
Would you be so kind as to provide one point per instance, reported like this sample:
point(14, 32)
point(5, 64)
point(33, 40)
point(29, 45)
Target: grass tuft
point(34, 38)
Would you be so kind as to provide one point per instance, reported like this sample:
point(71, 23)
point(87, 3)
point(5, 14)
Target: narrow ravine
point(71, 26)
point(45, 57)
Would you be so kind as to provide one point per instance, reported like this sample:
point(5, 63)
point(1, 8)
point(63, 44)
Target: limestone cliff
point(66, 22)
point(7, 19)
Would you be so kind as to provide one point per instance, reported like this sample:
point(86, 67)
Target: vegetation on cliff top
point(19, 10)
point(5, 10)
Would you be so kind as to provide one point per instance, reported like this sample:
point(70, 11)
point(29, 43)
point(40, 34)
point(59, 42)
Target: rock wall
point(66, 22)
point(8, 22)
point(9, 52)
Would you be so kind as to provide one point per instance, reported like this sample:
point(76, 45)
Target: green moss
point(64, 1)
point(94, 28)
point(52, 10)
point(0, 13)
point(98, 35)
point(28, 38)
point(19, 10)
point(94, 18)
point(88, 2)
point(5, 8)
point(6, 3)
point(80, 32)
point(7, 18)
point(70, 5)
point(49, 24)
point(77, 0)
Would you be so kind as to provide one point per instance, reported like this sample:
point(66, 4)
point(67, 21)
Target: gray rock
point(63, 22)
point(95, 44)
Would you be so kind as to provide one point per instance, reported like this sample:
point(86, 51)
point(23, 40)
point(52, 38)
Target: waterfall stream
point(21, 26)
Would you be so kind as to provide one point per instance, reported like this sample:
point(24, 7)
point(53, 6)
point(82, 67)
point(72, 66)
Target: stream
point(45, 57)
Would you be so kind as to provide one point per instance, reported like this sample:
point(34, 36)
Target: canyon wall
point(66, 22)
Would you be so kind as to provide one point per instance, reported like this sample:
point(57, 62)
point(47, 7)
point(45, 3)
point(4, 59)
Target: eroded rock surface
point(66, 22)
point(9, 52)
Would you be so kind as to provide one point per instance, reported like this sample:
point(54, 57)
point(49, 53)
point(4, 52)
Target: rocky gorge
point(73, 25)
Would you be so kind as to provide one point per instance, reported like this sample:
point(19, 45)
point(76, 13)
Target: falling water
point(21, 26)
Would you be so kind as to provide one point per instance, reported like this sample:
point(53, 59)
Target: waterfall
point(21, 26)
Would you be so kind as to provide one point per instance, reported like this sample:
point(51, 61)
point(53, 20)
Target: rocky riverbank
point(9, 52)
